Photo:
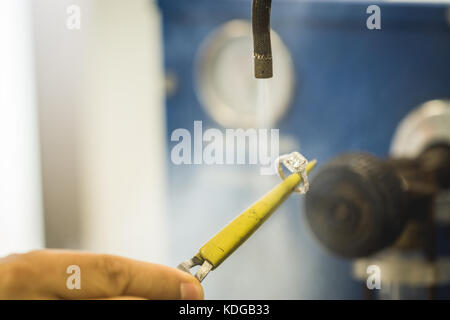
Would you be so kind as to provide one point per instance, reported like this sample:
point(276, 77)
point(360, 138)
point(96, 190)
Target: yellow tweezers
point(224, 243)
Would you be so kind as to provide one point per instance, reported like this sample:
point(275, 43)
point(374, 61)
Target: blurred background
point(86, 116)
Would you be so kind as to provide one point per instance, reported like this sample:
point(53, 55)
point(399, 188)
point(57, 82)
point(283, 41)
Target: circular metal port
point(427, 125)
point(225, 82)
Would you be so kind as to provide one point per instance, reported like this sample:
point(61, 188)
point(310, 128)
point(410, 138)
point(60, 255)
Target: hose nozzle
point(262, 52)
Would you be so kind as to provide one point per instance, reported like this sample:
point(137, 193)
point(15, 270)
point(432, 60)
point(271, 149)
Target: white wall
point(21, 223)
point(123, 132)
point(103, 132)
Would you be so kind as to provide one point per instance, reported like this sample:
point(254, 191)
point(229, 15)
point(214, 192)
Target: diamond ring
point(295, 163)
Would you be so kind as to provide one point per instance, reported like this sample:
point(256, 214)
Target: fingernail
point(191, 291)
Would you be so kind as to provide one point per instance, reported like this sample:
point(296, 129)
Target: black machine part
point(359, 204)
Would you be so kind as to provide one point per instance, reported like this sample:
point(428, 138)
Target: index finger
point(105, 276)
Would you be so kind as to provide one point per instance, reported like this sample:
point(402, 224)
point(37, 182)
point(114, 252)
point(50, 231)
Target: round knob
point(355, 205)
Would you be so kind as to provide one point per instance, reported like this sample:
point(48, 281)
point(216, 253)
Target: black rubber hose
point(262, 52)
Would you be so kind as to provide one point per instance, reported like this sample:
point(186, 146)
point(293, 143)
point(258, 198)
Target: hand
point(42, 275)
